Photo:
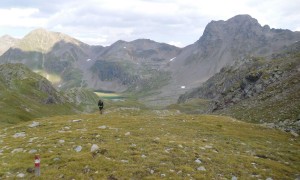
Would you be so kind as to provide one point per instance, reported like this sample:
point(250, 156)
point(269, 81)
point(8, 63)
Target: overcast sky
point(102, 22)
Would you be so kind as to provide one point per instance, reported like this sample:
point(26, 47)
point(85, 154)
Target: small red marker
point(37, 162)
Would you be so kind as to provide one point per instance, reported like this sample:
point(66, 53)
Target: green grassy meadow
point(138, 143)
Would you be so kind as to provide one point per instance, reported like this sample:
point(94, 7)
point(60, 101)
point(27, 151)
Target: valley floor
point(147, 144)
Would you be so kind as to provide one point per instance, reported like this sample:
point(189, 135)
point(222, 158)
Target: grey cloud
point(184, 22)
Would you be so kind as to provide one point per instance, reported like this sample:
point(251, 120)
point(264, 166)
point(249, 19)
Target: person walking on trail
point(101, 106)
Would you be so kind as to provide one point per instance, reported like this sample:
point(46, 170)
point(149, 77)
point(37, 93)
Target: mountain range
point(157, 73)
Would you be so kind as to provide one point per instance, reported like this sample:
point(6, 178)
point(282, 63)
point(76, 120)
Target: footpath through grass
point(148, 144)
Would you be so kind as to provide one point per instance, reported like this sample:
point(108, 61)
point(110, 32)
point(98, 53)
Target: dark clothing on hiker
point(100, 105)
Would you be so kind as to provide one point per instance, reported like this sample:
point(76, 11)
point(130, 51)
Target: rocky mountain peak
point(240, 19)
point(42, 40)
point(240, 25)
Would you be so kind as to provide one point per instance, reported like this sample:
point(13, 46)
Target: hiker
point(101, 106)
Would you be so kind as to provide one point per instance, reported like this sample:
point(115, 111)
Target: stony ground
point(130, 143)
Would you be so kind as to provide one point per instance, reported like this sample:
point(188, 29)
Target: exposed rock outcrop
point(260, 90)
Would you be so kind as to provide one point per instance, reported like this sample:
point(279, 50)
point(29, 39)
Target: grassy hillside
point(26, 95)
point(148, 144)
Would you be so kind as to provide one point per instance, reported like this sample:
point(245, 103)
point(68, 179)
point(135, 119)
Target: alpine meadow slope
point(26, 95)
point(132, 143)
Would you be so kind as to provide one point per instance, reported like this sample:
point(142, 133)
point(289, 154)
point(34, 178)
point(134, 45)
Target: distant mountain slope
point(68, 63)
point(224, 43)
point(260, 90)
point(132, 64)
point(6, 42)
point(25, 95)
point(54, 55)
point(41, 40)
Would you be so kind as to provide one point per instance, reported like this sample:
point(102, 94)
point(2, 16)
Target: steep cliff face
point(260, 90)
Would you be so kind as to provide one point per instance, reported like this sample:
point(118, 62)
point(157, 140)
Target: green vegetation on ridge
point(26, 95)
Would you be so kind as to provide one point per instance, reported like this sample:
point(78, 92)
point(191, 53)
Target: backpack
point(100, 103)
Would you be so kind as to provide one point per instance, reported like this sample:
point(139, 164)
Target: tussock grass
point(143, 144)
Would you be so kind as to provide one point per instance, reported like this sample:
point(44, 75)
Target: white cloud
point(176, 43)
point(16, 17)
point(179, 22)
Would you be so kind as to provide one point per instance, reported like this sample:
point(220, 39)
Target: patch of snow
point(124, 47)
point(88, 60)
point(172, 59)
point(182, 87)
